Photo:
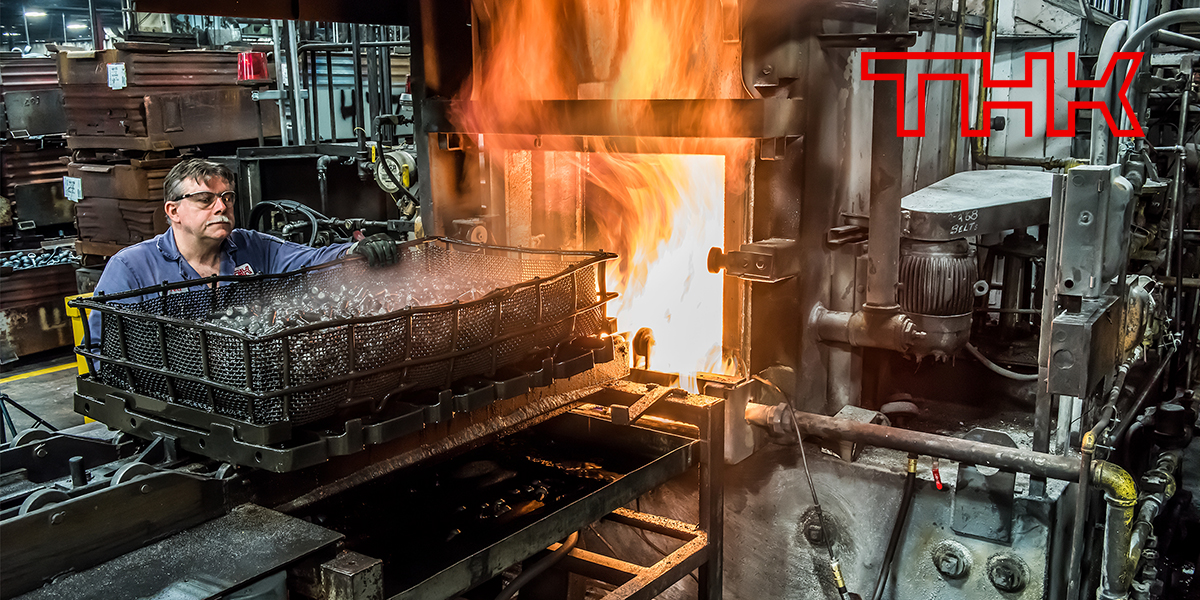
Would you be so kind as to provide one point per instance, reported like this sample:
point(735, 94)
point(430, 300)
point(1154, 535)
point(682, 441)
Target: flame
point(659, 212)
point(666, 211)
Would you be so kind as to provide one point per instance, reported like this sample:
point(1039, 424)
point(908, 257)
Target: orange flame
point(659, 212)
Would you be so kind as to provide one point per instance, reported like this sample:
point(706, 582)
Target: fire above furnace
point(659, 212)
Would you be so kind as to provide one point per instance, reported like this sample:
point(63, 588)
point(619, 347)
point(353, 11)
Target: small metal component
point(41, 451)
point(1007, 572)
point(951, 559)
point(58, 517)
point(770, 261)
point(814, 533)
point(79, 476)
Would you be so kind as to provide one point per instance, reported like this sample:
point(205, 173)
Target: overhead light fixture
point(77, 26)
point(35, 13)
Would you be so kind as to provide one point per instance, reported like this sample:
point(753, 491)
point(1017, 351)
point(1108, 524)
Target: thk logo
point(985, 71)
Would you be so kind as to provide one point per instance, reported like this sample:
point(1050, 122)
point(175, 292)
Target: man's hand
point(379, 250)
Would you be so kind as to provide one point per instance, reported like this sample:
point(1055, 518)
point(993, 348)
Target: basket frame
point(109, 305)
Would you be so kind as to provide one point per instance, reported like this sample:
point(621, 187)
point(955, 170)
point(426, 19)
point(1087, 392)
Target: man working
point(202, 242)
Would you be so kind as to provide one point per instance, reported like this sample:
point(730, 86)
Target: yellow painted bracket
point(77, 317)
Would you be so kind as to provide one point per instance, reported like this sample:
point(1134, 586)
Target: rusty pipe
point(1162, 480)
point(870, 327)
point(1038, 464)
point(887, 162)
point(1120, 494)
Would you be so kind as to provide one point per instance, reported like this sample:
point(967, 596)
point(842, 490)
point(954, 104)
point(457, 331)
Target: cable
point(901, 518)
point(833, 563)
point(539, 567)
point(999, 370)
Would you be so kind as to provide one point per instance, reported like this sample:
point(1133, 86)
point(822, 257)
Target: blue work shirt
point(243, 252)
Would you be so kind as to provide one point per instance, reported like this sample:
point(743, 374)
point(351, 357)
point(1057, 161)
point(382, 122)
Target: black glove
point(379, 250)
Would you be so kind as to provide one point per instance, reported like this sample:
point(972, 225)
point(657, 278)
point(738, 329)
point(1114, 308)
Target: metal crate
point(156, 341)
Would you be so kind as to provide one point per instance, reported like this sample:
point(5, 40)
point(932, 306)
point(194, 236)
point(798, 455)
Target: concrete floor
point(42, 384)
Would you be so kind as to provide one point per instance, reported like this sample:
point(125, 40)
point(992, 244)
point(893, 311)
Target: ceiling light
point(76, 26)
point(35, 13)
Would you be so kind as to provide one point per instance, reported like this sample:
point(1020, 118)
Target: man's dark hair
point(193, 168)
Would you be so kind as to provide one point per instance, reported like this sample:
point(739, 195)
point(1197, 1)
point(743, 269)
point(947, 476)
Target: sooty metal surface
point(201, 562)
point(443, 528)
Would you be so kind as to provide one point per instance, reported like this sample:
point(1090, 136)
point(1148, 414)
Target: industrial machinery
point(883, 367)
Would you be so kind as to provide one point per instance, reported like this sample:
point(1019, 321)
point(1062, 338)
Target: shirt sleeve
point(117, 277)
point(288, 256)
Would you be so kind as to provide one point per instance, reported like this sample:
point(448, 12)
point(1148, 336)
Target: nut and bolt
point(58, 517)
point(1007, 573)
point(41, 451)
point(951, 559)
point(814, 533)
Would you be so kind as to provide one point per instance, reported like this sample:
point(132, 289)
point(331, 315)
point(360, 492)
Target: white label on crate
point(73, 188)
point(116, 76)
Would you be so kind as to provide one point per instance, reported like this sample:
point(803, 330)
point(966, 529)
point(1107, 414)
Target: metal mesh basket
point(162, 341)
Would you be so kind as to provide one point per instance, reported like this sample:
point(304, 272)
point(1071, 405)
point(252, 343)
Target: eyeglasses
point(206, 199)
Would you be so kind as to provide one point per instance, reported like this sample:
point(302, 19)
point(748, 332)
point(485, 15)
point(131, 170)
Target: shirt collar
point(170, 250)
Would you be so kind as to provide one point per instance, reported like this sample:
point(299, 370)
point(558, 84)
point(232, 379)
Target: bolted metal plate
point(983, 497)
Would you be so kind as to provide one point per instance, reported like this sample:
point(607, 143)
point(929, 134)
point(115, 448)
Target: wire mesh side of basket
point(159, 347)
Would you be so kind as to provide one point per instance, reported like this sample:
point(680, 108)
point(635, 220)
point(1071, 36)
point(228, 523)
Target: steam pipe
point(1087, 448)
point(1100, 131)
point(989, 28)
point(959, 35)
point(359, 109)
point(1163, 478)
point(1120, 493)
point(1139, 404)
point(1037, 464)
point(1141, 34)
point(322, 168)
point(1174, 17)
point(1177, 190)
point(1177, 39)
point(887, 161)
point(870, 327)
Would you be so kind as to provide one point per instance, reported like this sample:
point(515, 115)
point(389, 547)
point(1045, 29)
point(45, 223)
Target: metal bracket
point(259, 96)
point(983, 500)
point(846, 234)
point(769, 261)
point(868, 40)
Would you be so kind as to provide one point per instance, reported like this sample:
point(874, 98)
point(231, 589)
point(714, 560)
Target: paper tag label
point(116, 76)
point(73, 188)
point(244, 269)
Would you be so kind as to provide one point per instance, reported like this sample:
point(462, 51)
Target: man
point(202, 242)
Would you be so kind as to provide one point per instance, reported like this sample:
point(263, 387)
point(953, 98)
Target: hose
point(286, 206)
point(539, 567)
point(901, 518)
point(1100, 131)
point(999, 370)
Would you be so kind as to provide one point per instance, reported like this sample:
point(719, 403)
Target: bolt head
point(1007, 573)
point(40, 451)
point(814, 533)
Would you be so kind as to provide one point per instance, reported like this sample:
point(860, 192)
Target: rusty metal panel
point(27, 163)
point(119, 221)
point(32, 313)
point(163, 118)
point(150, 68)
point(139, 180)
point(27, 74)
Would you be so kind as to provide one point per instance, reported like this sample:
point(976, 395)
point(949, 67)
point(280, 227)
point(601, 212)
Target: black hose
point(1139, 404)
point(901, 518)
point(539, 567)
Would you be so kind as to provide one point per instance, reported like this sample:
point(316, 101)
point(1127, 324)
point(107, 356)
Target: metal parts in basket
point(155, 341)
